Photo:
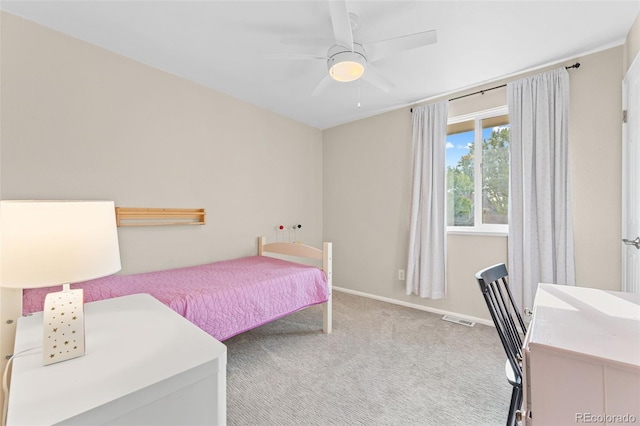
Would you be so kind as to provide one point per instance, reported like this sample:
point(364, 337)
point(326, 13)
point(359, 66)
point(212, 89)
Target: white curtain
point(427, 263)
point(540, 221)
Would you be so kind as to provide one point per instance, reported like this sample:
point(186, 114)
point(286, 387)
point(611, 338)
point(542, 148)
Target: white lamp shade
point(46, 243)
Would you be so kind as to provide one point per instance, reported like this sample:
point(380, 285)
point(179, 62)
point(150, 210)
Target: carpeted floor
point(383, 365)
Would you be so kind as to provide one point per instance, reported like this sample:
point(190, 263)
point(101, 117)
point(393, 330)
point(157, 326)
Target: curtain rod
point(481, 92)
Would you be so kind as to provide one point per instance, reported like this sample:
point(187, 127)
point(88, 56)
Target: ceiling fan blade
point(384, 48)
point(375, 78)
point(322, 86)
point(341, 23)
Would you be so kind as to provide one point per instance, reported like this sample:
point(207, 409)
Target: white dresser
point(144, 365)
point(582, 357)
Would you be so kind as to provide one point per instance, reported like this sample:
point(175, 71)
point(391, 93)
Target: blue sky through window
point(458, 145)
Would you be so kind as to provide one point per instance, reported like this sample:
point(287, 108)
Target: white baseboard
point(415, 306)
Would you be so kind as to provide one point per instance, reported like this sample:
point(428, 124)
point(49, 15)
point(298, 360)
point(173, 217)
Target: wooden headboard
point(307, 252)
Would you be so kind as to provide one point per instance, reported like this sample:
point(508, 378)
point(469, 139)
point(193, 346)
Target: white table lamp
point(48, 243)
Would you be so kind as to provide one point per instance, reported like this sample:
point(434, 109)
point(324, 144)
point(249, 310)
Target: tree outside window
point(478, 171)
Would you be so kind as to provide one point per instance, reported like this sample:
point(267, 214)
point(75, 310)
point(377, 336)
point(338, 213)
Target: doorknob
point(635, 242)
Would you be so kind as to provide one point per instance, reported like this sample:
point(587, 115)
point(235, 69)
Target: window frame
point(479, 228)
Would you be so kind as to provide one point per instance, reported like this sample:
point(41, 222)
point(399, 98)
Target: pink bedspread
point(223, 298)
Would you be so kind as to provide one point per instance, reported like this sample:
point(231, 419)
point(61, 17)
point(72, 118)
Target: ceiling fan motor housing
point(345, 65)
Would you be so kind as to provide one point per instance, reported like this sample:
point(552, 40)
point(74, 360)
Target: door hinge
point(624, 115)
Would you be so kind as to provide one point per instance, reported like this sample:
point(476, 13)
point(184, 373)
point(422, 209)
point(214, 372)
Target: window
point(478, 172)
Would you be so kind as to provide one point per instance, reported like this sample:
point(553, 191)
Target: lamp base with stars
point(63, 331)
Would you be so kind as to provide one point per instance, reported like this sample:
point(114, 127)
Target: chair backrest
point(505, 314)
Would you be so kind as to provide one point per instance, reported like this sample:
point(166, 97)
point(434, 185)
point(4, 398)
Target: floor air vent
point(458, 320)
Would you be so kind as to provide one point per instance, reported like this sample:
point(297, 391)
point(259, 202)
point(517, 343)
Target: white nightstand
point(144, 365)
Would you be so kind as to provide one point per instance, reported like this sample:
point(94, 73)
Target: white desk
point(582, 357)
point(144, 365)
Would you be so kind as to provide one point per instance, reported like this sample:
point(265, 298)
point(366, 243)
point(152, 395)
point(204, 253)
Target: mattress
point(222, 298)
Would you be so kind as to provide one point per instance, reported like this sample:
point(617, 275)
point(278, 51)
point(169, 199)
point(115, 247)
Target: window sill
point(502, 231)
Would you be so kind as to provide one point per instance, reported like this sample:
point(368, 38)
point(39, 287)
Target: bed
point(228, 297)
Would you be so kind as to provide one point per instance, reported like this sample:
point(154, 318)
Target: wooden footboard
point(307, 252)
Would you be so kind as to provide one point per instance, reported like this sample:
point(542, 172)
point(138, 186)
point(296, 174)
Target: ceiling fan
point(348, 60)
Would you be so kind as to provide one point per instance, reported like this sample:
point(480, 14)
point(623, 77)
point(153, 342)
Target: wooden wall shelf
point(139, 216)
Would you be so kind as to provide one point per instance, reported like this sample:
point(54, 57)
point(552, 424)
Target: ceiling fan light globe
point(346, 71)
point(346, 66)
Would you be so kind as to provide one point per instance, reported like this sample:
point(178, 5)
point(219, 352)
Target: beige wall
point(632, 44)
point(366, 194)
point(79, 122)
point(595, 132)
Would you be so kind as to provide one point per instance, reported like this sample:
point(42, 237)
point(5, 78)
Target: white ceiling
point(225, 45)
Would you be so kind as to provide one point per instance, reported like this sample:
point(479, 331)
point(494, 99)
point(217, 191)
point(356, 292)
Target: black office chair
point(509, 325)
